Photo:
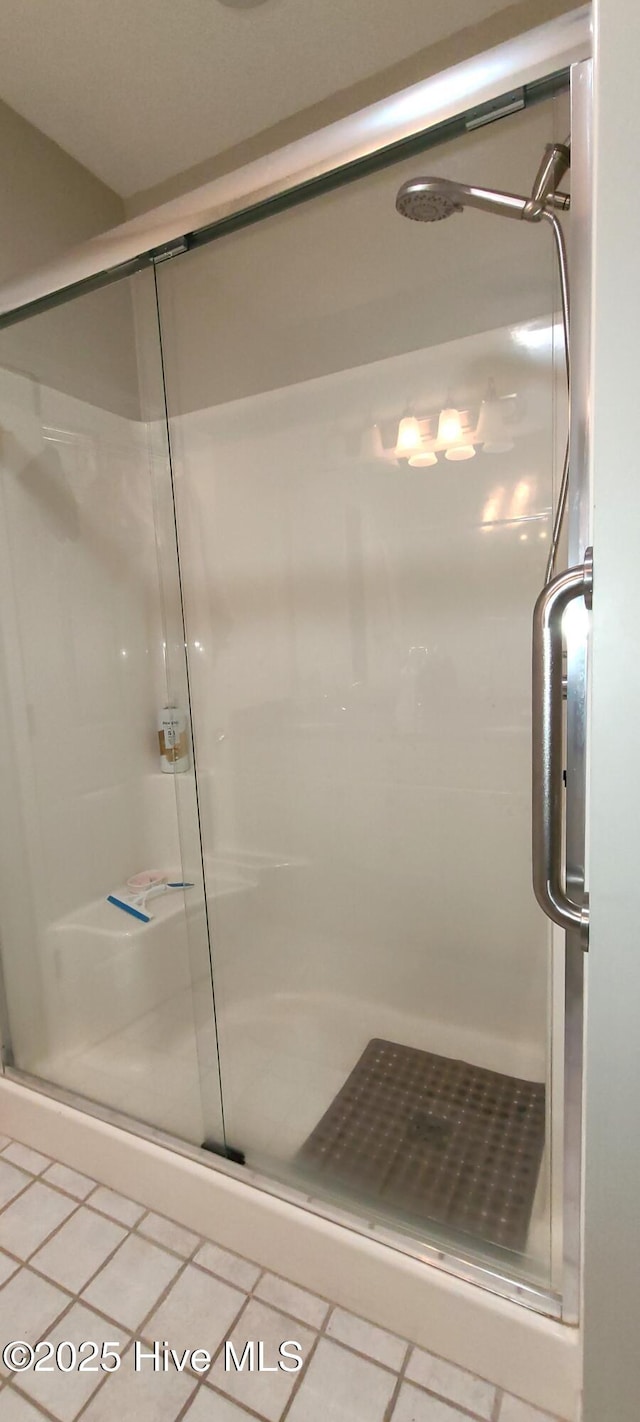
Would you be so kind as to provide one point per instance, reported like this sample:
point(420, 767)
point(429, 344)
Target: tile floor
point(78, 1262)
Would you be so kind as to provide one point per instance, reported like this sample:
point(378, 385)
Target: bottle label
point(173, 746)
point(172, 736)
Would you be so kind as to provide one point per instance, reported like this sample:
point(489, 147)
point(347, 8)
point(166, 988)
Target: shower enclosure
point(295, 474)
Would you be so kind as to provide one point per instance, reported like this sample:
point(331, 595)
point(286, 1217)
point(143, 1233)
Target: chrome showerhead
point(423, 202)
point(431, 199)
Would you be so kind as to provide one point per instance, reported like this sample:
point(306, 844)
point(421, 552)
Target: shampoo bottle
point(172, 735)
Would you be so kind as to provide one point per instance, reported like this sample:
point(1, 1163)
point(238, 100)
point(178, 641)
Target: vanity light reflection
point(419, 440)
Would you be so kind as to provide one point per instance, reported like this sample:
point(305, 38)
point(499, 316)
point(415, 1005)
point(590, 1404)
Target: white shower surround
point(293, 1015)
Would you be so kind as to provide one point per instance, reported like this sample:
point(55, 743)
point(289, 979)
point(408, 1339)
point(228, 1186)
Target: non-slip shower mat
point(435, 1139)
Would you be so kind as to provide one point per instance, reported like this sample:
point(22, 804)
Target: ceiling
point(138, 90)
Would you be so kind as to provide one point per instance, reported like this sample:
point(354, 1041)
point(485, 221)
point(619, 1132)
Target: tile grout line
point(318, 1332)
point(11, 1379)
point(391, 1405)
point(26, 1258)
point(331, 1308)
point(218, 1353)
point(366, 1357)
point(188, 1404)
point(129, 1229)
point(14, 1383)
point(135, 1333)
point(304, 1370)
point(37, 1174)
point(200, 1240)
point(57, 1189)
point(50, 1279)
point(31, 1180)
point(441, 1397)
point(458, 1408)
point(212, 1391)
point(43, 1411)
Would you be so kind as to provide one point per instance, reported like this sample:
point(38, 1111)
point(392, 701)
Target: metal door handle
point(547, 818)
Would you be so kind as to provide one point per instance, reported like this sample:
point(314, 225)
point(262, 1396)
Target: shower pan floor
point(437, 1138)
point(285, 1057)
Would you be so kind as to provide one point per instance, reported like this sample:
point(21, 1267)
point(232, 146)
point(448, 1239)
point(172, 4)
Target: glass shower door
point(358, 582)
point(108, 991)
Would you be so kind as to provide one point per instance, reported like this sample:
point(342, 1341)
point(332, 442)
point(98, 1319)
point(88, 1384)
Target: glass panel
point(359, 640)
point(114, 1006)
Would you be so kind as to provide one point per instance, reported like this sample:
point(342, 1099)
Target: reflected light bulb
point(491, 433)
point(491, 510)
point(423, 459)
point(519, 500)
point(449, 426)
point(409, 437)
point(460, 451)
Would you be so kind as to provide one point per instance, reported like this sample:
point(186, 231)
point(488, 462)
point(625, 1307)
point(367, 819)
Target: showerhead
point(423, 200)
point(431, 199)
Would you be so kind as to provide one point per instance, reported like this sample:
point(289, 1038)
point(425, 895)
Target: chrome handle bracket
point(547, 744)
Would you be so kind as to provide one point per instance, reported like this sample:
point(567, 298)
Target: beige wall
point(431, 60)
point(49, 201)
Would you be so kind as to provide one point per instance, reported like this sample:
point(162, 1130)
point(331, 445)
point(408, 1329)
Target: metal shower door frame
point(329, 155)
point(579, 519)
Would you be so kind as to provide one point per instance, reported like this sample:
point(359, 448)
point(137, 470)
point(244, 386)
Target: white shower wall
point(359, 642)
point(396, 781)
